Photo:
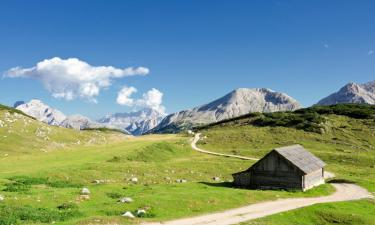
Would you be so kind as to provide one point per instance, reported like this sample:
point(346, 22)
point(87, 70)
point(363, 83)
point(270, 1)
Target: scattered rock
point(126, 200)
point(134, 179)
point(2, 198)
point(216, 178)
point(128, 215)
point(85, 191)
point(141, 212)
point(181, 181)
point(96, 182)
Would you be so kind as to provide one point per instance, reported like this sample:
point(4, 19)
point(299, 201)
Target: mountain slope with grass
point(343, 136)
point(20, 133)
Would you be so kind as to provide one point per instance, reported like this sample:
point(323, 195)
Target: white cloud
point(152, 99)
point(370, 52)
point(124, 96)
point(72, 78)
point(326, 46)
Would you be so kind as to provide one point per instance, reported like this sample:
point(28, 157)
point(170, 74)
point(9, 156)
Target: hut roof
point(301, 158)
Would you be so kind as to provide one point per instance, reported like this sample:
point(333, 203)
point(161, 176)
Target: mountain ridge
point(238, 102)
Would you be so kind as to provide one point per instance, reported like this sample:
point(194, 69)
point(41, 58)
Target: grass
point(356, 212)
point(49, 182)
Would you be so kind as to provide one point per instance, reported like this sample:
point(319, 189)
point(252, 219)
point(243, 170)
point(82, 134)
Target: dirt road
point(344, 192)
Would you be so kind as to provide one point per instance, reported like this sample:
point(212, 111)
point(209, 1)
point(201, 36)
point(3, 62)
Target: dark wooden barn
point(290, 167)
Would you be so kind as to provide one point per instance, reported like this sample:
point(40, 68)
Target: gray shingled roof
point(301, 158)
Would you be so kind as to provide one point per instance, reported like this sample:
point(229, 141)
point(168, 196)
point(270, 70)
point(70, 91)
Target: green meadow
point(44, 168)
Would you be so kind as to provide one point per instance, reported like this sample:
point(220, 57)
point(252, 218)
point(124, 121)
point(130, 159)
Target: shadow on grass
point(345, 181)
point(221, 184)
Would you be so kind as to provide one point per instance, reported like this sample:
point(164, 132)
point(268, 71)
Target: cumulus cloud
point(152, 99)
point(124, 96)
point(73, 78)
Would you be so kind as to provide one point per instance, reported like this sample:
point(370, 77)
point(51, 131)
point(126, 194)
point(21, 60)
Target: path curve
point(344, 192)
point(194, 146)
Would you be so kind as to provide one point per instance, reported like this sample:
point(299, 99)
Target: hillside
point(20, 133)
point(346, 143)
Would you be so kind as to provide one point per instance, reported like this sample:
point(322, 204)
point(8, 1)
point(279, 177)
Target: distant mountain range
point(352, 93)
point(137, 123)
point(236, 103)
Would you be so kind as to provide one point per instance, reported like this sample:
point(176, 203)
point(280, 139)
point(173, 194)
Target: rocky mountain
point(136, 123)
point(352, 93)
point(42, 112)
point(238, 102)
point(78, 122)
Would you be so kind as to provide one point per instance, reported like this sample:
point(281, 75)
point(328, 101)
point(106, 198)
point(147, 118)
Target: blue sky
point(196, 51)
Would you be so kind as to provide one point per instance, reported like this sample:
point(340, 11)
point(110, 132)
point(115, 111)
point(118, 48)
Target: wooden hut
point(290, 167)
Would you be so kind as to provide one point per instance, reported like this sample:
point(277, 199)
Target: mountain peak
point(352, 93)
point(42, 112)
point(236, 103)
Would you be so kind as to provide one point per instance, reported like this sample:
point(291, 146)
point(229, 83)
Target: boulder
point(216, 178)
point(134, 179)
point(85, 191)
point(128, 215)
point(126, 200)
point(141, 212)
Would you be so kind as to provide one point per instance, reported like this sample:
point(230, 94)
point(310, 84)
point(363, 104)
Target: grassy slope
point(347, 146)
point(20, 134)
point(54, 177)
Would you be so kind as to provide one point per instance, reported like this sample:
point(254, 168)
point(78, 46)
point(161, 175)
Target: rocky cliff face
point(41, 112)
point(238, 102)
point(352, 93)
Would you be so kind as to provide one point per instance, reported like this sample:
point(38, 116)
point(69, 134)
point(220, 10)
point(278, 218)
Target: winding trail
point(344, 192)
point(194, 146)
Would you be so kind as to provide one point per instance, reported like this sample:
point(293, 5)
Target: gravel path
point(344, 192)
point(194, 146)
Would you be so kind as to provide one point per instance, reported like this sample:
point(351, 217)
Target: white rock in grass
point(141, 212)
point(126, 200)
point(2, 198)
point(181, 181)
point(216, 178)
point(85, 191)
point(134, 179)
point(128, 215)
